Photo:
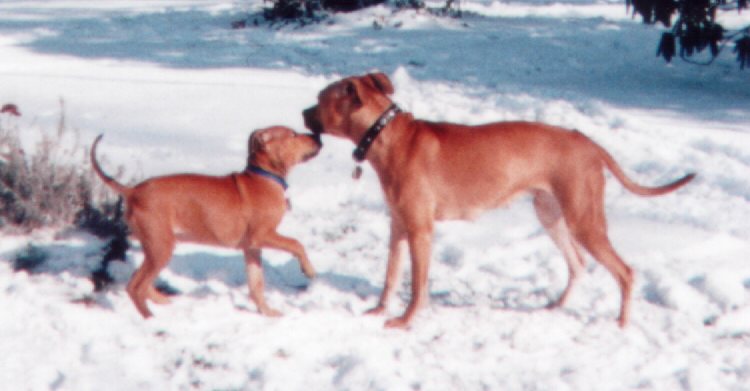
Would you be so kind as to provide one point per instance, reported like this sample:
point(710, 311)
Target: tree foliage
point(695, 28)
point(300, 9)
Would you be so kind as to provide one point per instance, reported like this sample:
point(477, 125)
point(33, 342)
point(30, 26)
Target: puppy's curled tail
point(108, 180)
point(639, 189)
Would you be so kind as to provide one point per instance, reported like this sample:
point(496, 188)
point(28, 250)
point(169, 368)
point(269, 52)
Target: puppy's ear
point(259, 139)
point(381, 82)
point(256, 142)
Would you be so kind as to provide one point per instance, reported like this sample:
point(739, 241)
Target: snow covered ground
point(174, 89)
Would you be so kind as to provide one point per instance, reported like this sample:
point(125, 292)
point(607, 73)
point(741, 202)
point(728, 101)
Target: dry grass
point(52, 185)
point(48, 184)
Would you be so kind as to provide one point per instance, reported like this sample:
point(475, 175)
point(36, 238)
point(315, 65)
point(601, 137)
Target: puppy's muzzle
point(318, 146)
point(312, 120)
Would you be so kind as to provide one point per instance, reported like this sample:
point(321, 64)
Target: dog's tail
point(108, 180)
point(639, 189)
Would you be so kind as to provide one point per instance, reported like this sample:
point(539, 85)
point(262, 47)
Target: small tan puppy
point(241, 210)
point(440, 171)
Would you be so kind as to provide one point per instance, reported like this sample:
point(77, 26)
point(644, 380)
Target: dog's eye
point(350, 89)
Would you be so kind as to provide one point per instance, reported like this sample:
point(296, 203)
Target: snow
point(174, 89)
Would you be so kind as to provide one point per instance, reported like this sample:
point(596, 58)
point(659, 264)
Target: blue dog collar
point(257, 170)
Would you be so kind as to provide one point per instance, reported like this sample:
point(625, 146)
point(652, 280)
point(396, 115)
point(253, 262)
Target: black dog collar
point(364, 144)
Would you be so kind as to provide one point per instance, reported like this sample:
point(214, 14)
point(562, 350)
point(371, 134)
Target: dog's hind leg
point(582, 202)
point(598, 245)
point(550, 215)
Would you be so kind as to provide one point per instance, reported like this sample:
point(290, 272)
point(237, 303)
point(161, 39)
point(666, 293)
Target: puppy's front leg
point(292, 246)
point(393, 272)
point(256, 282)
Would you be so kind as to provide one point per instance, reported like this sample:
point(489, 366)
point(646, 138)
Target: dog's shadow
point(204, 266)
point(228, 268)
point(510, 299)
point(286, 278)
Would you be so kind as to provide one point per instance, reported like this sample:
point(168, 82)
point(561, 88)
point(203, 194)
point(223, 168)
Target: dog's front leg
point(256, 282)
point(420, 247)
point(393, 272)
point(276, 241)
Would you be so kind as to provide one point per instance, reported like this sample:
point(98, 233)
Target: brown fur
point(240, 210)
point(436, 171)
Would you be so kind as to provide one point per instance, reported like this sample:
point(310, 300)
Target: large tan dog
point(240, 210)
point(438, 171)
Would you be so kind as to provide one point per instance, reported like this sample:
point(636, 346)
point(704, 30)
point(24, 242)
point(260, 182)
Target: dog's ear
point(381, 82)
point(352, 92)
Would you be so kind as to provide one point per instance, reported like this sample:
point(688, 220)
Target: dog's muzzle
point(312, 121)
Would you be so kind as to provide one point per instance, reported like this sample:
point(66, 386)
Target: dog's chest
point(448, 213)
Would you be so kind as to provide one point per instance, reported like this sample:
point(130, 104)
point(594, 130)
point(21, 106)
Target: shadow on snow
point(80, 260)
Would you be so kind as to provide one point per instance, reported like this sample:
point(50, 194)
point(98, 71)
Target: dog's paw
point(271, 313)
point(158, 297)
point(377, 310)
point(398, 323)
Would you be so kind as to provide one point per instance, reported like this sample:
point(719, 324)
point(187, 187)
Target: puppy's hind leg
point(158, 243)
point(550, 215)
point(134, 292)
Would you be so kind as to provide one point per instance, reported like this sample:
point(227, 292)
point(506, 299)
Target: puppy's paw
point(309, 272)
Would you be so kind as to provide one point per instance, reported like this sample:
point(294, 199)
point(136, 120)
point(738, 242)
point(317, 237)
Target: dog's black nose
point(311, 120)
point(318, 140)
